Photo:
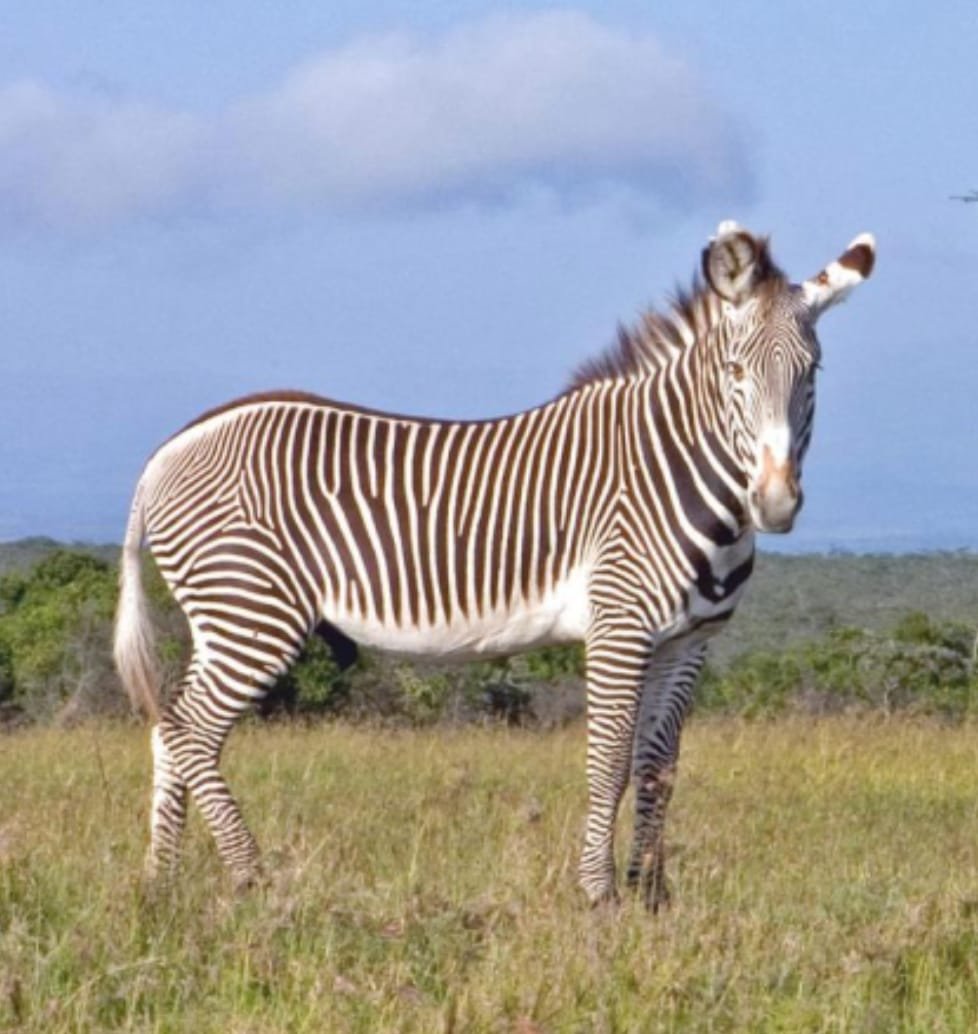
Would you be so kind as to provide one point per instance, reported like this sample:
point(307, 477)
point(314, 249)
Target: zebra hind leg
point(168, 814)
point(193, 731)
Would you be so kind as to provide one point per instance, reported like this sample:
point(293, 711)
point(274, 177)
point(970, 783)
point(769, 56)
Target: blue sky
point(442, 208)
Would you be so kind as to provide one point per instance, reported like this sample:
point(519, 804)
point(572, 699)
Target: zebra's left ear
point(838, 278)
point(734, 262)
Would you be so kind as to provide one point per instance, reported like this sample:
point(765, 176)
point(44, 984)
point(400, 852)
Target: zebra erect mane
point(656, 338)
point(651, 342)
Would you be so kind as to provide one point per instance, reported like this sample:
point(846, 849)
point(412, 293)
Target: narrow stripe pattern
point(620, 514)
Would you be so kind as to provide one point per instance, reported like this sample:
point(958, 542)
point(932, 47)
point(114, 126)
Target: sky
point(443, 208)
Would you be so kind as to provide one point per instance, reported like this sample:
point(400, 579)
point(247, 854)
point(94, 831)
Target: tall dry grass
point(825, 879)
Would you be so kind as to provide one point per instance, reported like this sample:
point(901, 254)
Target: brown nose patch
point(782, 471)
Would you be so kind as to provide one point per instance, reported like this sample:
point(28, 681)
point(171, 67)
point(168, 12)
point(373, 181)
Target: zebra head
point(767, 355)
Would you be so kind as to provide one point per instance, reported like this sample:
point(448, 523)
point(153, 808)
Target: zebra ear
point(838, 278)
point(734, 262)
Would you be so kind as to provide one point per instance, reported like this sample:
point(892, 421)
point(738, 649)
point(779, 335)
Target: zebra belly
point(561, 615)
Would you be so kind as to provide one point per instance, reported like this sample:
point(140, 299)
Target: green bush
point(419, 693)
point(921, 667)
point(7, 681)
point(313, 685)
point(55, 625)
point(56, 637)
point(755, 684)
point(55, 662)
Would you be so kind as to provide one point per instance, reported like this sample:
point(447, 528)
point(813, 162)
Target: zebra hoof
point(158, 875)
point(651, 888)
point(657, 896)
point(605, 902)
point(245, 881)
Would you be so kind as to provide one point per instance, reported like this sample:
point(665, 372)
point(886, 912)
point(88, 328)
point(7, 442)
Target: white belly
point(560, 616)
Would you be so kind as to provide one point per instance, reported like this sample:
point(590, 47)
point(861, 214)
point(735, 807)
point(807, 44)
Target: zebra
point(622, 513)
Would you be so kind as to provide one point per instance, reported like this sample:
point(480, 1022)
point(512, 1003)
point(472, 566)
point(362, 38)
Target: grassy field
point(825, 876)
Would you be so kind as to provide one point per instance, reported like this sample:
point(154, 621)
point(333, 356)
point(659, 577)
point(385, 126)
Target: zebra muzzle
point(776, 496)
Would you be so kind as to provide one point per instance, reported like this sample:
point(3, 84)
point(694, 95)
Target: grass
point(825, 877)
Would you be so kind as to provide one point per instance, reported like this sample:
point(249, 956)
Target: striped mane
point(651, 342)
point(658, 337)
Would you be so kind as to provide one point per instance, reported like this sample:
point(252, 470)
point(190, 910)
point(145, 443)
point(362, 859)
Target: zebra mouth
point(774, 512)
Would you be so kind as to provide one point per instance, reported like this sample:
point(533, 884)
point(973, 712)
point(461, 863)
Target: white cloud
point(554, 100)
point(86, 161)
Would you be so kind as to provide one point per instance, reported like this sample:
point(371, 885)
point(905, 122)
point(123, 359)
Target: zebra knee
point(190, 750)
point(170, 735)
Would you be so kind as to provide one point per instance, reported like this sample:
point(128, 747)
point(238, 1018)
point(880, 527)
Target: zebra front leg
point(665, 704)
point(168, 813)
point(616, 664)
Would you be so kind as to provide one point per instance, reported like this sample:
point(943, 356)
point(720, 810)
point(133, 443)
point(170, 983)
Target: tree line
point(794, 651)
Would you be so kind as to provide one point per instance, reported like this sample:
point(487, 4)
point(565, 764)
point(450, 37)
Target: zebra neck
point(678, 462)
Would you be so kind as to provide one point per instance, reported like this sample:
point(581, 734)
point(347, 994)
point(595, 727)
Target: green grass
point(825, 876)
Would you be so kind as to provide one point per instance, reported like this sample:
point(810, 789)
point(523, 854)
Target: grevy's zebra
point(621, 513)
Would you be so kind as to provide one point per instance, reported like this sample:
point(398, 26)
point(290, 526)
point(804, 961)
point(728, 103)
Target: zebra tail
point(135, 644)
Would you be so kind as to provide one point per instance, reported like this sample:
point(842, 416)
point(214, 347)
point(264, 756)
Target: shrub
point(56, 637)
point(421, 692)
point(55, 661)
point(313, 685)
point(55, 627)
point(920, 667)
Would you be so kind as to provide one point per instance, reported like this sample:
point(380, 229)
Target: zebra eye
point(737, 371)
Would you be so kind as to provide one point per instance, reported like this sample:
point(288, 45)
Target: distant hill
point(790, 598)
point(798, 597)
